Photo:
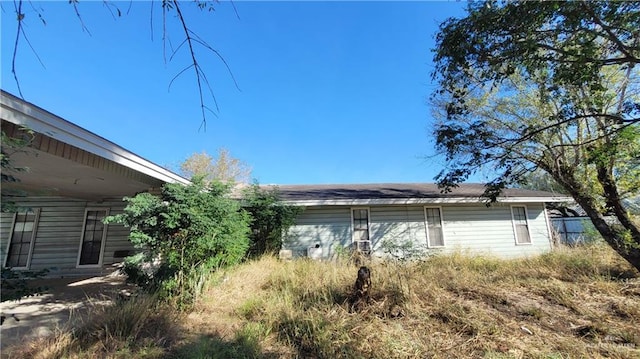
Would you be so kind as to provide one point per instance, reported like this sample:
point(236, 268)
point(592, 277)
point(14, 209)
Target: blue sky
point(329, 92)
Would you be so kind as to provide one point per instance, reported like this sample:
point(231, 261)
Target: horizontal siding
point(59, 232)
point(325, 226)
point(396, 225)
point(474, 228)
point(489, 230)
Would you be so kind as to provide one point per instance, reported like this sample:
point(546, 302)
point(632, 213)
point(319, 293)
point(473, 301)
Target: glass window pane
point(522, 233)
point(92, 237)
point(21, 238)
point(435, 237)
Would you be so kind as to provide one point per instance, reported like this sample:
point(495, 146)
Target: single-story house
point(75, 178)
point(387, 219)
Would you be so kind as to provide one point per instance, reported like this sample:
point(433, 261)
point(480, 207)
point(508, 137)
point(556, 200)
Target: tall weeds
point(573, 303)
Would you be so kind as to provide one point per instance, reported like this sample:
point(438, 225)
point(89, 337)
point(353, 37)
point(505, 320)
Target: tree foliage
point(271, 219)
point(190, 230)
point(223, 167)
point(545, 86)
point(17, 142)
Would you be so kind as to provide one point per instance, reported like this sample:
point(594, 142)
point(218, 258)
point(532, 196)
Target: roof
point(64, 159)
point(404, 193)
point(23, 113)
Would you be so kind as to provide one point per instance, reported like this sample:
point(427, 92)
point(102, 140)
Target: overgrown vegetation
point(270, 219)
point(11, 144)
point(546, 88)
point(186, 233)
point(571, 303)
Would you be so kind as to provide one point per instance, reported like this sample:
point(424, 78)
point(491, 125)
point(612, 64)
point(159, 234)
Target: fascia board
point(410, 201)
point(41, 121)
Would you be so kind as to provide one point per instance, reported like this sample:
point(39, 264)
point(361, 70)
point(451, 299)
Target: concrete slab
point(65, 300)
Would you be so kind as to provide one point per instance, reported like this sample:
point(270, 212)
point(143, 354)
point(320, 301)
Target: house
point(384, 219)
point(75, 178)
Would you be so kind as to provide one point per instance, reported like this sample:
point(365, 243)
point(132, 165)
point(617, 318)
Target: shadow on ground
point(65, 299)
point(214, 347)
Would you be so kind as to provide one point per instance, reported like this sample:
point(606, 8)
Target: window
point(520, 225)
point(361, 239)
point(93, 237)
point(22, 238)
point(433, 223)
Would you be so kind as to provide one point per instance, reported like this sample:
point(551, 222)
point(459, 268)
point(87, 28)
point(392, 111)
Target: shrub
point(270, 219)
point(191, 230)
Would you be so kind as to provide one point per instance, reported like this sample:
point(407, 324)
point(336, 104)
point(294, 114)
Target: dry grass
point(578, 303)
point(139, 328)
point(572, 303)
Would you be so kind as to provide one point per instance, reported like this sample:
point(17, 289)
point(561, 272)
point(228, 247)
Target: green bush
point(191, 230)
point(271, 219)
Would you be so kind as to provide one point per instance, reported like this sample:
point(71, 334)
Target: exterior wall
point(476, 228)
point(328, 226)
point(59, 231)
point(490, 230)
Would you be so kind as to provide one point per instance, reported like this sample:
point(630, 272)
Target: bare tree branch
point(75, 7)
point(20, 31)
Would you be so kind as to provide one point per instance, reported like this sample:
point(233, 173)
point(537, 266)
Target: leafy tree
point(270, 219)
point(190, 230)
point(545, 86)
point(223, 167)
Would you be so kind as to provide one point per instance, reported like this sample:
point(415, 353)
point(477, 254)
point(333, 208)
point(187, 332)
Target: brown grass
point(575, 303)
point(572, 303)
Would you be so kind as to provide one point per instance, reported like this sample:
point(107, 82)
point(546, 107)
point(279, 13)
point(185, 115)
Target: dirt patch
point(65, 300)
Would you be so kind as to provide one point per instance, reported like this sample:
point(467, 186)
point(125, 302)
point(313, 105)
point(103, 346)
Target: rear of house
point(401, 219)
point(72, 180)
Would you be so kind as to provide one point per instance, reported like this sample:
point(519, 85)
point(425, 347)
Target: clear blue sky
point(329, 92)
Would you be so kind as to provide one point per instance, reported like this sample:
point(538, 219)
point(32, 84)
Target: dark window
point(92, 237)
point(24, 230)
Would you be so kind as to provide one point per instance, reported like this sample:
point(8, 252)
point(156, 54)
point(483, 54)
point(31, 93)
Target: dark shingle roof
point(381, 191)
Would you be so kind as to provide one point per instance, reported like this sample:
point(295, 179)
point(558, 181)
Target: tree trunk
point(361, 288)
point(629, 251)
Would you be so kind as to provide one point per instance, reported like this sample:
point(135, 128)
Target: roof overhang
point(63, 159)
point(398, 194)
point(420, 201)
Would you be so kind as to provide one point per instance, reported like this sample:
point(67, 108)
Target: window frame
point(353, 228)
point(103, 238)
point(426, 227)
point(32, 240)
point(515, 228)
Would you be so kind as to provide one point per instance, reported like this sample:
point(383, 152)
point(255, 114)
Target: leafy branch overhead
point(191, 41)
point(545, 86)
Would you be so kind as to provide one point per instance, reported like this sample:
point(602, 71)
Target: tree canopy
point(545, 86)
point(224, 167)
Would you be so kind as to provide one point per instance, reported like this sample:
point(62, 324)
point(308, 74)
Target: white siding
point(474, 228)
point(489, 230)
point(397, 224)
point(57, 240)
point(327, 226)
